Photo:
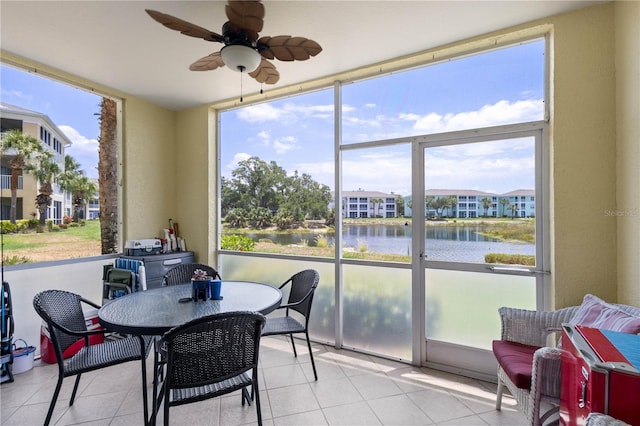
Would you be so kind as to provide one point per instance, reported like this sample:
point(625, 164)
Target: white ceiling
point(116, 44)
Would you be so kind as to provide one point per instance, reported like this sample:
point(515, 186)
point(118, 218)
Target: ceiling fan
point(243, 51)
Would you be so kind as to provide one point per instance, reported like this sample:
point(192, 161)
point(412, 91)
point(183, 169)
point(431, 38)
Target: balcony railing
point(5, 182)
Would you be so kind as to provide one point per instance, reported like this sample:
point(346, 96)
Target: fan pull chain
point(241, 85)
point(261, 85)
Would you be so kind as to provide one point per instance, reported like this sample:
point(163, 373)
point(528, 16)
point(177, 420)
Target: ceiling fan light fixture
point(240, 58)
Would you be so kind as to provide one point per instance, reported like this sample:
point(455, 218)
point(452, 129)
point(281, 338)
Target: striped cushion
point(596, 313)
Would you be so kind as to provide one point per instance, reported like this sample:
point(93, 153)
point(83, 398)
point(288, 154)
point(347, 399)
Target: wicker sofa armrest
point(545, 377)
point(545, 383)
point(532, 327)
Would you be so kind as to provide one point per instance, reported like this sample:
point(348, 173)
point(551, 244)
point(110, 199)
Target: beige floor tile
point(335, 392)
point(310, 418)
point(292, 400)
point(506, 416)
point(399, 410)
point(358, 413)
point(35, 414)
point(439, 405)
point(353, 389)
point(94, 407)
point(465, 421)
point(280, 376)
point(374, 386)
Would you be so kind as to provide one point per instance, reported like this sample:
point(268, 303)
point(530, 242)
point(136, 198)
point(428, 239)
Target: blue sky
point(500, 87)
point(503, 86)
point(71, 109)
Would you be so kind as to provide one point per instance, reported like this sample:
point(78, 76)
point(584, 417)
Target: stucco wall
point(149, 169)
point(583, 145)
point(627, 24)
point(195, 181)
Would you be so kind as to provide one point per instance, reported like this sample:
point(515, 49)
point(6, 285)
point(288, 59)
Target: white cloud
point(383, 170)
point(83, 150)
point(17, 94)
point(259, 113)
point(238, 157)
point(502, 112)
point(285, 144)
point(289, 112)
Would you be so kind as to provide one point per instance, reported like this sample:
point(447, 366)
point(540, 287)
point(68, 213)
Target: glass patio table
point(154, 312)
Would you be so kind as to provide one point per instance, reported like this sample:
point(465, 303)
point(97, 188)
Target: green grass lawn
point(32, 246)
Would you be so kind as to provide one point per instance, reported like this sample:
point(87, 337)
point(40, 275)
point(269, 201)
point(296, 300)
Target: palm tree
point(514, 210)
point(83, 190)
point(505, 205)
point(22, 148)
point(486, 203)
point(47, 172)
point(108, 176)
point(74, 181)
point(452, 203)
point(377, 202)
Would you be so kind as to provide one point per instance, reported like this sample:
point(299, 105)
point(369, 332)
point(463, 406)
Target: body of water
point(447, 243)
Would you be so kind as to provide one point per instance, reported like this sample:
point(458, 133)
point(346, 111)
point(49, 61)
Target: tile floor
point(353, 389)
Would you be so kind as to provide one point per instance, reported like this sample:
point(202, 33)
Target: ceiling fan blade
point(247, 16)
point(287, 48)
point(186, 28)
point(208, 63)
point(266, 73)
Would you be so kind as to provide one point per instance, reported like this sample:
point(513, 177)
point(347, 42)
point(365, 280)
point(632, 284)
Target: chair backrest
point(212, 348)
point(60, 308)
point(303, 284)
point(184, 272)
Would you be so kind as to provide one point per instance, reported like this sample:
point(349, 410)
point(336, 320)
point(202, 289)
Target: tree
point(108, 176)
point(377, 205)
point(514, 210)
point(256, 185)
point(304, 198)
point(74, 181)
point(47, 171)
point(486, 204)
point(505, 205)
point(440, 204)
point(84, 189)
point(451, 202)
point(400, 205)
point(22, 149)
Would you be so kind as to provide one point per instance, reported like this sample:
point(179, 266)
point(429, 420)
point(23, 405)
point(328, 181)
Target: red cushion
point(516, 360)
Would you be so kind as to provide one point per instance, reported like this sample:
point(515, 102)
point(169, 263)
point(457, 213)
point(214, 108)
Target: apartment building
point(368, 204)
point(42, 128)
point(466, 203)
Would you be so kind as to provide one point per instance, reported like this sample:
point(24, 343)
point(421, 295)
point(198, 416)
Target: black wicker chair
point(182, 273)
point(303, 286)
point(209, 357)
point(62, 312)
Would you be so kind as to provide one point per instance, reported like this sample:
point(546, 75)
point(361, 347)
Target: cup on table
point(214, 289)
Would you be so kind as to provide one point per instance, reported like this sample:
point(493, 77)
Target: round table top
point(153, 312)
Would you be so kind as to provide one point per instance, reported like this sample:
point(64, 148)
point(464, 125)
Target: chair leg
point(158, 376)
point(167, 395)
point(246, 396)
point(143, 362)
point(313, 364)
point(254, 385)
point(53, 400)
point(75, 389)
point(499, 395)
point(295, 354)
